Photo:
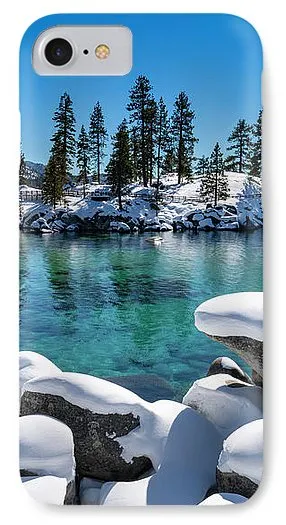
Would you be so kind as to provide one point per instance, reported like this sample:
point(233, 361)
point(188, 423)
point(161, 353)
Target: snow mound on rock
point(237, 314)
point(46, 447)
point(225, 401)
point(223, 498)
point(243, 452)
point(34, 365)
point(50, 490)
point(186, 473)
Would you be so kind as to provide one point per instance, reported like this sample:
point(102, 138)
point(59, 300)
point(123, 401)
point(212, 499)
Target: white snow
point(243, 452)
point(223, 498)
point(237, 314)
point(227, 407)
point(46, 447)
point(32, 364)
point(46, 489)
point(104, 397)
point(186, 473)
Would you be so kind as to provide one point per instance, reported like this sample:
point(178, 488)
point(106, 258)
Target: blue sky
point(216, 59)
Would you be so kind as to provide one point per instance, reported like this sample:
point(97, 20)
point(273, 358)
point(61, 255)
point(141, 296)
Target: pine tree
point(163, 136)
point(52, 189)
point(120, 169)
point(256, 149)
point(83, 158)
point(214, 184)
point(202, 166)
point(22, 169)
point(151, 127)
point(240, 148)
point(183, 130)
point(64, 136)
point(135, 152)
point(141, 100)
point(98, 137)
point(168, 163)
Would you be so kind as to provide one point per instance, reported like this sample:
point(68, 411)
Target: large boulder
point(225, 401)
point(240, 463)
point(225, 365)
point(187, 471)
point(117, 435)
point(236, 320)
point(32, 364)
point(47, 449)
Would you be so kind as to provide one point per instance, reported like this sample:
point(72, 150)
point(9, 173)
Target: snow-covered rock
point(117, 434)
point(89, 491)
point(223, 498)
point(225, 401)
point(46, 448)
point(225, 365)
point(235, 320)
point(186, 473)
point(49, 490)
point(240, 464)
point(32, 364)
point(249, 206)
point(206, 224)
point(72, 228)
point(121, 227)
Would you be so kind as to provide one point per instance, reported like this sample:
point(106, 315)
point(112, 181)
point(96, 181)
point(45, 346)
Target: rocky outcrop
point(97, 452)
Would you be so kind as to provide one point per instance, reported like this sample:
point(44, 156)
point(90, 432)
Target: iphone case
point(141, 269)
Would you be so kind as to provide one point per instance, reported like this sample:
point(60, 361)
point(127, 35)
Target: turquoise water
point(114, 305)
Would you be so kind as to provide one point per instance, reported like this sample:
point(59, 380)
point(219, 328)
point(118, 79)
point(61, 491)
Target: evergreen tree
point(183, 130)
point(202, 166)
point(214, 184)
point(168, 163)
point(238, 160)
point(83, 158)
point(163, 136)
point(22, 169)
point(98, 137)
point(58, 169)
point(135, 152)
point(256, 148)
point(151, 121)
point(120, 169)
point(52, 189)
point(141, 101)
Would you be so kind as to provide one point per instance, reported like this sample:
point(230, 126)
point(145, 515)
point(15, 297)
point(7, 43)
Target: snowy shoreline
point(86, 440)
point(179, 210)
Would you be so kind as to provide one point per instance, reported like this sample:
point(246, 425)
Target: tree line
point(145, 146)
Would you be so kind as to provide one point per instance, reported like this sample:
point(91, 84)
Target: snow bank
point(46, 447)
point(50, 490)
point(225, 401)
point(237, 314)
point(33, 365)
point(186, 473)
point(104, 397)
point(249, 206)
point(243, 452)
point(224, 498)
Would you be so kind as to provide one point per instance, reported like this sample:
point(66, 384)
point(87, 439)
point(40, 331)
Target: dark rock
point(250, 350)
point(97, 453)
point(225, 365)
point(234, 483)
